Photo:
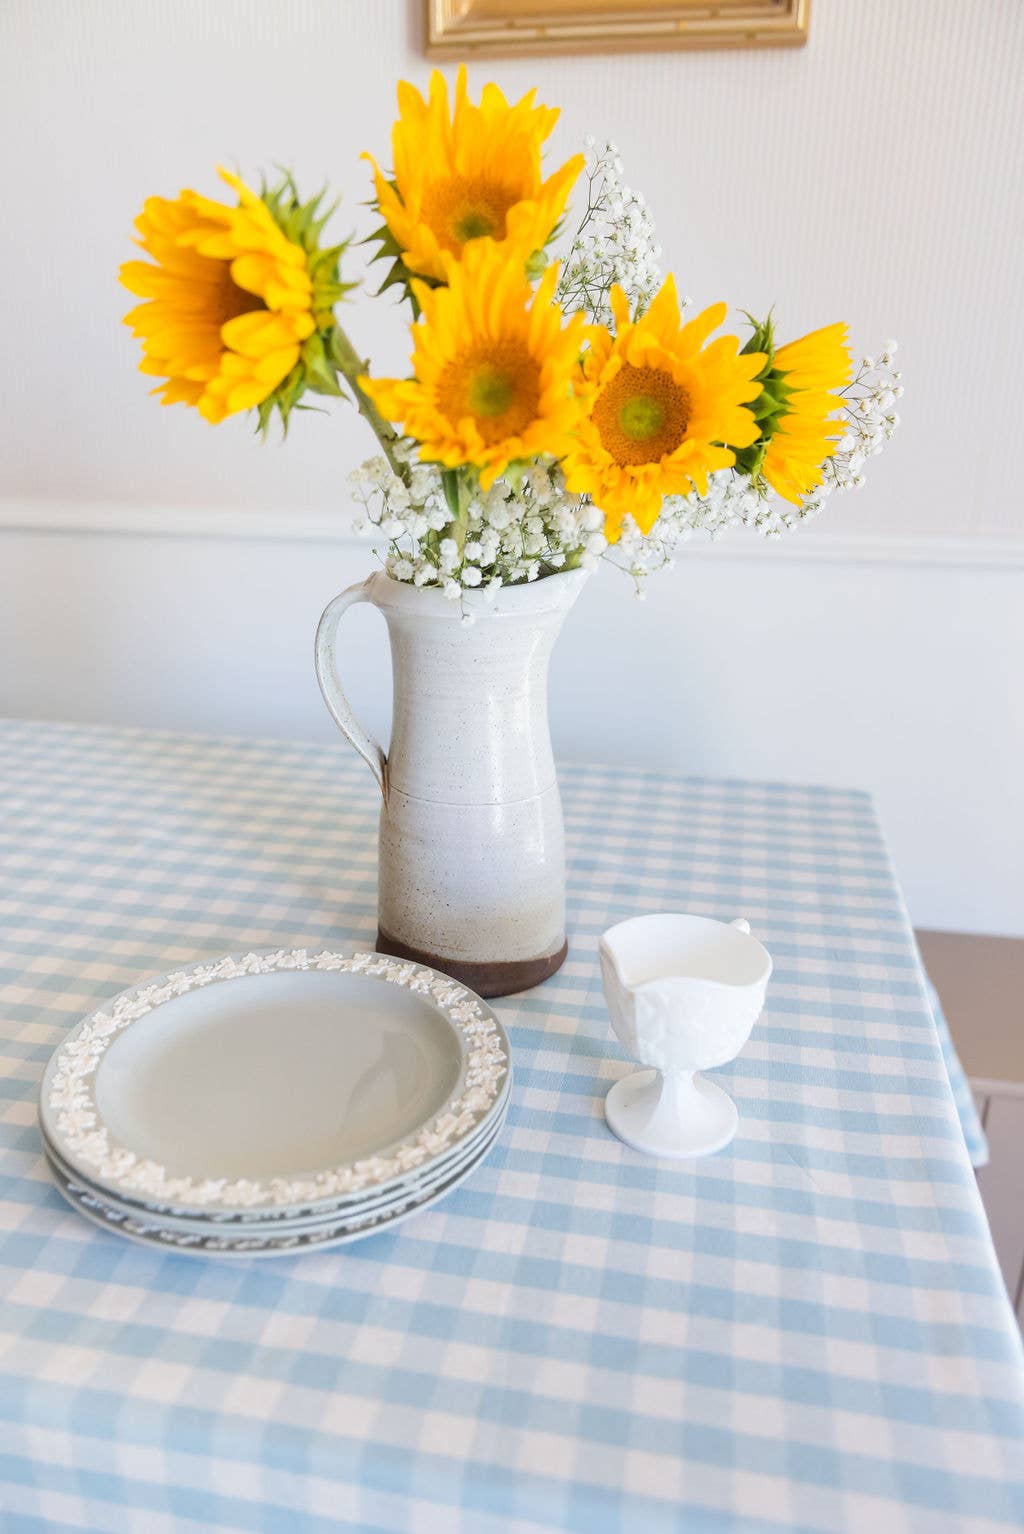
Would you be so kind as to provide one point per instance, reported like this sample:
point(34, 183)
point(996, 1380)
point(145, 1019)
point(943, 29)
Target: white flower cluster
point(525, 526)
point(731, 501)
point(869, 421)
point(614, 243)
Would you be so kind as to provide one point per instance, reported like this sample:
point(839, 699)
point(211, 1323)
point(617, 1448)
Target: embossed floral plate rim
point(218, 1245)
point(118, 1210)
point(282, 1220)
point(74, 1125)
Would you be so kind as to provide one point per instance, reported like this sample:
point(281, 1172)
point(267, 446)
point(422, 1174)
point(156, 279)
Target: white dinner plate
point(147, 1231)
point(237, 1226)
point(279, 1082)
point(414, 1183)
point(417, 1180)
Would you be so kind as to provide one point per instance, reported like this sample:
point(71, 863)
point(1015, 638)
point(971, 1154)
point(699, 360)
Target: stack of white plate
point(266, 1103)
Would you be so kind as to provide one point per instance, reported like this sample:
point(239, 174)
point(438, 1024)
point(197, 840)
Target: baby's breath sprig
point(869, 421)
point(870, 418)
point(524, 527)
point(527, 525)
point(614, 243)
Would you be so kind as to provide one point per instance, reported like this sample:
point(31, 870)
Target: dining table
point(806, 1332)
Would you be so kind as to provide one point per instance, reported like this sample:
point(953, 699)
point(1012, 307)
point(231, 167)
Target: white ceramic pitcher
point(471, 875)
point(683, 993)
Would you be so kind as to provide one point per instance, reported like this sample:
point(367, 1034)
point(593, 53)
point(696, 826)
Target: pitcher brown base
point(497, 979)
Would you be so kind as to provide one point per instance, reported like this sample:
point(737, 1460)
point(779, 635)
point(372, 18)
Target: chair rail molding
point(302, 525)
point(877, 660)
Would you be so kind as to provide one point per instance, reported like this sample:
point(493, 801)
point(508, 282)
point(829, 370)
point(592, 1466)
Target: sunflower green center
point(491, 390)
point(467, 209)
point(497, 386)
point(641, 415)
point(474, 224)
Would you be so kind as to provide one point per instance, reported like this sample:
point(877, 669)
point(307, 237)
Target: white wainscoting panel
point(891, 666)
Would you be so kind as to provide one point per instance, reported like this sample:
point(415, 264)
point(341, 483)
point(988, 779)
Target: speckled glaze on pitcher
point(472, 868)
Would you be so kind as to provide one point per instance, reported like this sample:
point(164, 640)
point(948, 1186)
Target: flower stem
point(458, 493)
point(351, 366)
point(465, 496)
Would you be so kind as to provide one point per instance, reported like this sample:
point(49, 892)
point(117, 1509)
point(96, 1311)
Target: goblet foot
point(678, 1115)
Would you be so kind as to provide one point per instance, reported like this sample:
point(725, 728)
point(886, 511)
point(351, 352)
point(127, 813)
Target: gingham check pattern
point(805, 1332)
point(966, 1107)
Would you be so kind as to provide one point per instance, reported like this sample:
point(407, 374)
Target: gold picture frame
point(464, 29)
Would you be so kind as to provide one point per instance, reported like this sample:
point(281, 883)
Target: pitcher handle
point(325, 656)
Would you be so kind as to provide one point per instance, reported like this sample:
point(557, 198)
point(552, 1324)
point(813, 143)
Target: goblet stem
point(673, 1113)
point(674, 1103)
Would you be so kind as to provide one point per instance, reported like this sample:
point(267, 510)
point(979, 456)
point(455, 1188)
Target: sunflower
point(237, 313)
point(468, 175)
point(662, 406)
point(807, 375)
point(494, 368)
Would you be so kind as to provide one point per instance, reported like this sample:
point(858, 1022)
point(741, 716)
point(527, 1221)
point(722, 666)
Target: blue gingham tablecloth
point(807, 1332)
point(967, 1109)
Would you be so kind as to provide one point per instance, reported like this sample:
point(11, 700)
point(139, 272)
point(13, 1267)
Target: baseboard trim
point(813, 544)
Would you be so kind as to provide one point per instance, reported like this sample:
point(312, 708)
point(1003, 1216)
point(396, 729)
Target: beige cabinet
point(1002, 1181)
point(981, 983)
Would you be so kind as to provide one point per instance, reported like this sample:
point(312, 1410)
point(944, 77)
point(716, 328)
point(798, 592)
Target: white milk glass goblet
point(683, 993)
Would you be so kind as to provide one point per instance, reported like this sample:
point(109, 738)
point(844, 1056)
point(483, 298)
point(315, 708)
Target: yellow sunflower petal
point(494, 368)
point(662, 317)
point(463, 173)
point(693, 335)
point(661, 410)
point(814, 368)
point(619, 304)
point(228, 300)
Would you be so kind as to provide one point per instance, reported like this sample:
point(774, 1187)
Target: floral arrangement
point(557, 411)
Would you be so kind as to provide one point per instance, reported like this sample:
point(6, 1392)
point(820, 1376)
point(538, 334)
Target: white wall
point(874, 175)
point(876, 668)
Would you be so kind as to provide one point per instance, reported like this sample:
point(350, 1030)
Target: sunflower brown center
point(231, 300)
point(642, 415)
point(498, 386)
point(467, 209)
